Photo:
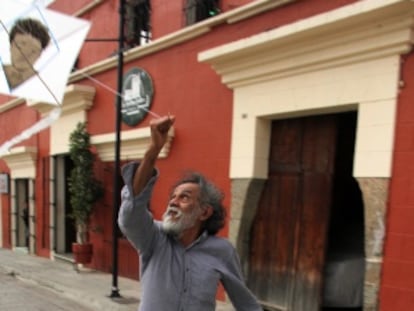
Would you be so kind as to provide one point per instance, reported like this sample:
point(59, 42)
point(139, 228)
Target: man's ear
point(207, 212)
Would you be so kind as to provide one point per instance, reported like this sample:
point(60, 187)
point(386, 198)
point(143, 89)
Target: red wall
point(397, 286)
point(194, 93)
point(183, 87)
point(105, 20)
point(191, 91)
point(166, 17)
point(21, 117)
point(5, 214)
point(203, 107)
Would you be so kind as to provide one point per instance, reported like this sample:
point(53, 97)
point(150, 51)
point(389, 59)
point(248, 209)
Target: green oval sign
point(137, 93)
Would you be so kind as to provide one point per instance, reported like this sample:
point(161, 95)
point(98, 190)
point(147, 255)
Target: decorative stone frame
point(22, 164)
point(134, 144)
point(347, 59)
point(77, 100)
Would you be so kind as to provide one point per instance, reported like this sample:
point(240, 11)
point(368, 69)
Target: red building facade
point(287, 105)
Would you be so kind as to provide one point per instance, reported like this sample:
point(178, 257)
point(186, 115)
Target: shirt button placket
point(186, 278)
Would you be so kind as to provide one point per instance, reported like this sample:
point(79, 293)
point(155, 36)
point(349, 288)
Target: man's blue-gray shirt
point(173, 277)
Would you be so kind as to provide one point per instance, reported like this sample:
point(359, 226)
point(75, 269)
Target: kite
point(38, 49)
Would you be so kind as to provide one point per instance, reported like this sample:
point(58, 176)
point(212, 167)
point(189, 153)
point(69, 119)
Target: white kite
point(38, 49)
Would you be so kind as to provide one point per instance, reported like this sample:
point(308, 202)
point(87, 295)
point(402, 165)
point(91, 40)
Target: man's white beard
point(175, 225)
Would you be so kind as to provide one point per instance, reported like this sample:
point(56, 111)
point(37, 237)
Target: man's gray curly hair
point(209, 195)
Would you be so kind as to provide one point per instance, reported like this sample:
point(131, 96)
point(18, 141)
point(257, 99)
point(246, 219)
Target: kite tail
point(34, 129)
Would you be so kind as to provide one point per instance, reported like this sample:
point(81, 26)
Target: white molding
point(254, 8)
point(183, 35)
point(366, 30)
point(345, 59)
point(133, 144)
point(88, 7)
point(21, 162)
point(77, 98)
point(11, 104)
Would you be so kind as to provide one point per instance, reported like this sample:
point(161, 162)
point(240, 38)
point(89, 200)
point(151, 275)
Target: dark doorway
point(65, 232)
point(70, 231)
point(289, 237)
point(22, 212)
point(345, 259)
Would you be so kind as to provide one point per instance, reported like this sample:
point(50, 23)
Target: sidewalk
point(89, 287)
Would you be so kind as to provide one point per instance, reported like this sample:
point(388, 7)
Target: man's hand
point(159, 131)
point(159, 134)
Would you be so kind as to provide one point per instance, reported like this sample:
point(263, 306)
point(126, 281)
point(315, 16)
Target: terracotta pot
point(82, 252)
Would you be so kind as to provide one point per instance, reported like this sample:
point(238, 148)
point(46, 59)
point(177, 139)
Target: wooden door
point(289, 231)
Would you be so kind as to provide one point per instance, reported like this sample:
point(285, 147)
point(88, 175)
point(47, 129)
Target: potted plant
point(84, 190)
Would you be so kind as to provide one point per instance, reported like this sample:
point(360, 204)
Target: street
point(17, 295)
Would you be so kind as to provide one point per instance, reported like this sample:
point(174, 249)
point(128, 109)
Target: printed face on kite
point(28, 38)
point(24, 50)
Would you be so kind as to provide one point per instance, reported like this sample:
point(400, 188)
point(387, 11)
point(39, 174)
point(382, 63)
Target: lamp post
point(116, 198)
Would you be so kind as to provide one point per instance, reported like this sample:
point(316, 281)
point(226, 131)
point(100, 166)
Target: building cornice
point(358, 32)
point(134, 144)
point(21, 162)
point(165, 42)
point(180, 36)
point(77, 98)
point(88, 7)
point(330, 62)
point(11, 104)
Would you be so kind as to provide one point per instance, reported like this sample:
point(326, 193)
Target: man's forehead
point(187, 187)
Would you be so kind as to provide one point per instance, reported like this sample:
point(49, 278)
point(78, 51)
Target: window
point(198, 10)
point(137, 22)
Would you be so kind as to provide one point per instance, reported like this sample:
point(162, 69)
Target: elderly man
point(182, 261)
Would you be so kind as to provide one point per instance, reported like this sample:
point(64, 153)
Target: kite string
point(82, 73)
point(48, 88)
point(116, 93)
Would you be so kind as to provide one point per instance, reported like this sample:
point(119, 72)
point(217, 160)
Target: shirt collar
point(202, 237)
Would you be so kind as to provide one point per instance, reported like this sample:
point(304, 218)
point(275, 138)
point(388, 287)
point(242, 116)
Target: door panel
point(289, 231)
point(271, 243)
point(318, 162)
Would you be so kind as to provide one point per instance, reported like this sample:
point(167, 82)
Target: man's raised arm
point(134, 219)
point(159, 132)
